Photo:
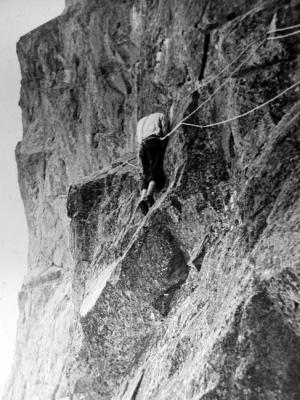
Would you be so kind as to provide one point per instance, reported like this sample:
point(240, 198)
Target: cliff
point(199, 300)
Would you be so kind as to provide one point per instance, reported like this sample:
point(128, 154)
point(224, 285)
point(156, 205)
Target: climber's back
point(152, 125)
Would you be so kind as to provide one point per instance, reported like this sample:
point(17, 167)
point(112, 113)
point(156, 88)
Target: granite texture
point(199, 300)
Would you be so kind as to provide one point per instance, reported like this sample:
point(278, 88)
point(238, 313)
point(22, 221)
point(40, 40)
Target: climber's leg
point(151, 155)
point(151, 188)
point(143, 204)
point(155, 151)
point(143, 194)
point(150, 191)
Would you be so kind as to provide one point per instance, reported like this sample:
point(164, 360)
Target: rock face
point(200, 299)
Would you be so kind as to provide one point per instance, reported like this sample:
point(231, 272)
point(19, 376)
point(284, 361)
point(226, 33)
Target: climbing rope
point(245, 113)
point(182, 122)
point(287, 28)
point(201, 85)
point(283, 36)
point(215, 92)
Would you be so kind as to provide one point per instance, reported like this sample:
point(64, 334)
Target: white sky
point(17, 17)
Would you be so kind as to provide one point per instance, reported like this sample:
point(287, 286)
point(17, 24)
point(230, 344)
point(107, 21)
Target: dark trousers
point(152, 157)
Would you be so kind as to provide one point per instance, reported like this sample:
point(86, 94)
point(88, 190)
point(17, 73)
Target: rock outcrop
point(199, 300)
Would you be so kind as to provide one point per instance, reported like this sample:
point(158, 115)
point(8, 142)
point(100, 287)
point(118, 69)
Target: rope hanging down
point(182, 122)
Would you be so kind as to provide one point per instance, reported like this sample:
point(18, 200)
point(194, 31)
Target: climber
point(151, 154)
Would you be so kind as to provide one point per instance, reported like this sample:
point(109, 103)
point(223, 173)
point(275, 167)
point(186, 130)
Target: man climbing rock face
point(150, 130)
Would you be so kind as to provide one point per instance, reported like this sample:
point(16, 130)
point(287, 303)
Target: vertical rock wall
point(200, 299)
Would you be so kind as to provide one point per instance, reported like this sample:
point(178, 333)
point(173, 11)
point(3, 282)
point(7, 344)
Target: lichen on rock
point(199, 300)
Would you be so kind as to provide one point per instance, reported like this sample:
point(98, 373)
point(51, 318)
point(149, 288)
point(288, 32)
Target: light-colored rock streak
point(95, 288)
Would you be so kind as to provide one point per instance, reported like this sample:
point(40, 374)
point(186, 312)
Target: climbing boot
point(143, 205)
point(150, 201)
